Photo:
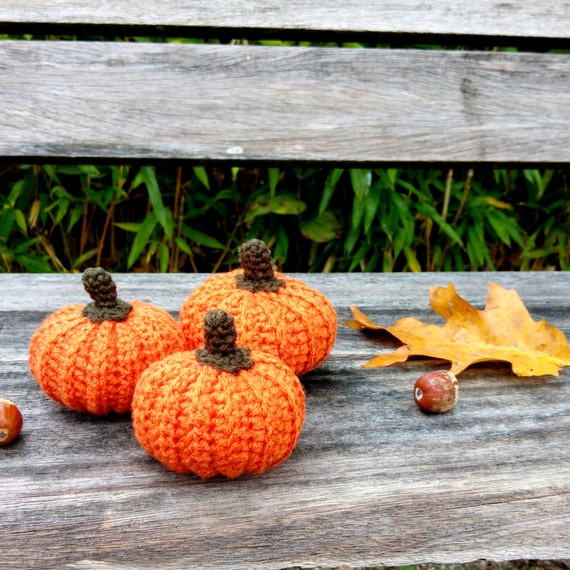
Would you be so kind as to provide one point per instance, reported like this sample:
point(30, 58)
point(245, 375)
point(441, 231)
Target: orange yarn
point(273, 313)
point(219, 410)
point(89, 357)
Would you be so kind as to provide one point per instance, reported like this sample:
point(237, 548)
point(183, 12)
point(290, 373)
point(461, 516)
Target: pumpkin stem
point(102, 289)
point(258, 273)
point(220, 349)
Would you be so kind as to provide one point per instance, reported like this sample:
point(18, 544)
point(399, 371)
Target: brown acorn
point(436, 391)
point(10, 422)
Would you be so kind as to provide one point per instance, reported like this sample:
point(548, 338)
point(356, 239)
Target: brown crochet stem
point(220, 349)
point(258, 273)
point(102, 289)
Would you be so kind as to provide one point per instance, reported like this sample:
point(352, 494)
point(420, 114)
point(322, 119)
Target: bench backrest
point(204, 102)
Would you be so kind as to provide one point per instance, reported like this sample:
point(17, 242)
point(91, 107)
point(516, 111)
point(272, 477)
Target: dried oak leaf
point(503, 331)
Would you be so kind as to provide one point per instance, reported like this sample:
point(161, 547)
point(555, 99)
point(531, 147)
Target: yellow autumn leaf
point(497, 203)
point(503, 331)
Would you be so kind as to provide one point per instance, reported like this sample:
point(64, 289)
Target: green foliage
point(146, 218)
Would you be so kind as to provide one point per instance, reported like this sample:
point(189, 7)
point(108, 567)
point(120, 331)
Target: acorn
point(436, 391)
point(10, 422)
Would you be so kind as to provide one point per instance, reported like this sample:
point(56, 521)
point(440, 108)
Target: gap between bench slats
point(90, 100)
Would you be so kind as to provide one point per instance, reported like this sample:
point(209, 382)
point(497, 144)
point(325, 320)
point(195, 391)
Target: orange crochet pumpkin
point(89, 357)
point(219, 410)
point(273, 313)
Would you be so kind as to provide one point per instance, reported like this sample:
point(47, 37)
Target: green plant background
point(188, 218)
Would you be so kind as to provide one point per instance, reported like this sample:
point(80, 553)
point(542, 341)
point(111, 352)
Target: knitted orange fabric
point(193, 413)
point(94, 366)
point(273, 313)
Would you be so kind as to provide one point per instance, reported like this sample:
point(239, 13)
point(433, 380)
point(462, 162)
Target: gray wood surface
point(110, 101)
point(373, 480)
point(491, 18)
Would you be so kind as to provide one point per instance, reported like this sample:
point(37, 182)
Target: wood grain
point(108, 101)
point(372, 481)
point(493, 19)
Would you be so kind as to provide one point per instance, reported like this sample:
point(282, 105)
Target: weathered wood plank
point(106, 101)
point(549, 19)
point(372, 481)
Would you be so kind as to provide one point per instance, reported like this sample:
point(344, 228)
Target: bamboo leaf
point(273, 174)
point(285, 204)
point(351, 239)
point(412, 260)
point(85, 257)
point(33, 264)
point(129, 226)
point(281, 246)
point(202, 176)
point(7, 220)
point(75, 216)
point(497, 203)
point(329, 188)
point(142, 239)
point(325, 227)
point(358, 257)
point(163, 258)
point(202, 238)
point(361, 180)
point(371, 206)
point(15, 192)
point(73, 170)
point(63, 207)
point(505, 228)
point(430, 212)
point(20, 221)
point(183, 246)
point(147, 175)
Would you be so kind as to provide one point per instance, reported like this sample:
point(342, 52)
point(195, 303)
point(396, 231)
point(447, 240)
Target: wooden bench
point(373, 480)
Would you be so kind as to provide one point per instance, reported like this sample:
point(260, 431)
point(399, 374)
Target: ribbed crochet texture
point(194, 417)
point(273, 313)
point(89, 363)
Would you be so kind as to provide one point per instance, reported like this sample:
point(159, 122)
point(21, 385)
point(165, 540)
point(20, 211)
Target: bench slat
point(372, 481)
point(545, 19)
point(109, 101)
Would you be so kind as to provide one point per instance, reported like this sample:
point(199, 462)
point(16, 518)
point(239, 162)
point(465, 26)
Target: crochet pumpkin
point(89, 357)
point(219, 410)
point(272, 312)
